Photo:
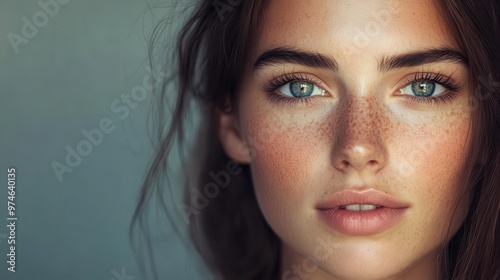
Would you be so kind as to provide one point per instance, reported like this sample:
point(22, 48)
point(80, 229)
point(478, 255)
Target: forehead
point(363, 26)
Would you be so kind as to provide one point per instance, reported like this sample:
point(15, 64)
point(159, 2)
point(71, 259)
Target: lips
point(364, 212)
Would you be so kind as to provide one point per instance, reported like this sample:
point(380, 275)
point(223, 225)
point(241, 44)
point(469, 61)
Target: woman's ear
point(230, 138)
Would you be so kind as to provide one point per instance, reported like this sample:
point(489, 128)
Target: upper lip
point(369, 196)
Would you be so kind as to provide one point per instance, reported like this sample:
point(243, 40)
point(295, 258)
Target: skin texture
point(363, 133)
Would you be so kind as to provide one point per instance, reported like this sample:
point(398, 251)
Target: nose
point(358, 141)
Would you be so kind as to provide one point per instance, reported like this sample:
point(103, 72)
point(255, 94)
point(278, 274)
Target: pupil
point(423, 88)
point(301, 89)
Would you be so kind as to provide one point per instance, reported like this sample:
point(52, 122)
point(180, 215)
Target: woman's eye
point(423, 88)
point(301, 89)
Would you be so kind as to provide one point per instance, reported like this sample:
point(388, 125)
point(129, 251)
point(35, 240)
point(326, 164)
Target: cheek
point(430, 160)
point(286, 157)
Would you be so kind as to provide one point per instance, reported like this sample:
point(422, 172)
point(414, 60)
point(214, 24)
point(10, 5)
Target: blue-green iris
point(301, 89)
point(423, 88)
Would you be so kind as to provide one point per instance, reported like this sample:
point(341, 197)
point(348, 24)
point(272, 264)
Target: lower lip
point(361, 222)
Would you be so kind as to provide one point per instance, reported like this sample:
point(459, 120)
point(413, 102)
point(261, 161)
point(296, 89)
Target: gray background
point(61, 81)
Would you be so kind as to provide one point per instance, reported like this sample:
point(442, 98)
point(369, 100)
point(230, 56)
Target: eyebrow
point(278, 56)
point(285, 55)
point(421, 57)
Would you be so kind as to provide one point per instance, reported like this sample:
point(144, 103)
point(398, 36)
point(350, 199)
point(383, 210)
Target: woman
point(366, 134)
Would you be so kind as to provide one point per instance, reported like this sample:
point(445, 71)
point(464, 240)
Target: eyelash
point(280, 81)
point(447, 82)
point(451, 88)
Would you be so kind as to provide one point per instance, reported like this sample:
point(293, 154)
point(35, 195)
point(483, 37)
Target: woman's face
point(350, 103)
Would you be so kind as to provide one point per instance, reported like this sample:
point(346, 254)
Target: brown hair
point(474, 251)
point(227, 227)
